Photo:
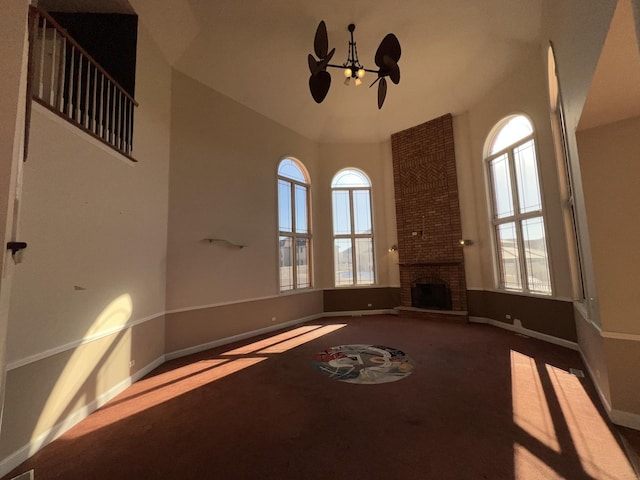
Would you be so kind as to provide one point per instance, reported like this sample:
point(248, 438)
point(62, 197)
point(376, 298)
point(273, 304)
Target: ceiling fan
point(386, 58)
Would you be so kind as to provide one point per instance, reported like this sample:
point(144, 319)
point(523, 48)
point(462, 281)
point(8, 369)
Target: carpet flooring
point(480, 403)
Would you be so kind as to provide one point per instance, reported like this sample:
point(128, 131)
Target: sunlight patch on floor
point(168, 392)
point(165, 386)
point(530, 407)
point(528, 466)
point(162, 380)
point(267, 342)
point(307, 337)
point(597, 449)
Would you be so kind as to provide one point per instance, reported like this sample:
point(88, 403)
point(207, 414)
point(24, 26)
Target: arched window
point(294, 226)
point(353, 257)
point(516, 206)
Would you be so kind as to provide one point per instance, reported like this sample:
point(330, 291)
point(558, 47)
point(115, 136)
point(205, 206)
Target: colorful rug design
point(363, 363)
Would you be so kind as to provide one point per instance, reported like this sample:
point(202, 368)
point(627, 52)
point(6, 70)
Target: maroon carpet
point(480, 403)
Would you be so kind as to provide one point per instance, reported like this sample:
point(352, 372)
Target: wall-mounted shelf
point(222, 241)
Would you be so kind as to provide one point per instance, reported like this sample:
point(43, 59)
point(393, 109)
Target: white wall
point(524, 91)
point(13, 51)
point(224, 159)
point(96, 225)
point(375, 160)
point(610, 168)
point(610, 171)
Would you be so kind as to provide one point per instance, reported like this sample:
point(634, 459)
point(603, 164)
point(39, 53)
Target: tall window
point(566, 173)
point(518, 221)
point(352, 228)
point(294, 231)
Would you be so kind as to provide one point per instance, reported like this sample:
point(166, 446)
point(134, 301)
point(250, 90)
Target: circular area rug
point(363, 363)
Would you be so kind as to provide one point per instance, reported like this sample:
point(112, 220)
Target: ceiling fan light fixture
point(386, 60)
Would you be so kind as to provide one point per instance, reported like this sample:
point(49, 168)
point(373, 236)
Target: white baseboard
point(619, 417)
point(525, 331)
point(359, 313)
point(626, 419)
point(278, 326)
point(25, 476)
point(603, 398)
point(16, 458)
point(235, 338)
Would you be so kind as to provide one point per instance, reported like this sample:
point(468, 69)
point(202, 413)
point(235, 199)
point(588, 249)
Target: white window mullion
point(517, 218)
point(294, 243)
point(524, 275)
point(353, 238)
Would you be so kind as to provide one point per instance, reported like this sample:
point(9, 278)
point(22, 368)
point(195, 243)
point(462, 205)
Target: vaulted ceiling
point(255, 52)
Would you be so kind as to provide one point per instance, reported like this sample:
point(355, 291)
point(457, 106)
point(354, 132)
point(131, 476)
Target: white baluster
point(42, 48)
point(63, 63)
point(52, 87)
point(79, 89)
point(70, 91)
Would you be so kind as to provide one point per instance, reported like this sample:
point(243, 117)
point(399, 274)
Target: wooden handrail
point(78, 47)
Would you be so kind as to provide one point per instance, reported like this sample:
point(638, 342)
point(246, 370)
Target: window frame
point(559, 132)
point(517, 218)
point(353, 236)
point(293, 234)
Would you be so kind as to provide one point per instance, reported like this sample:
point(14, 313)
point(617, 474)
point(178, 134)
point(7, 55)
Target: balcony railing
point(64, 78)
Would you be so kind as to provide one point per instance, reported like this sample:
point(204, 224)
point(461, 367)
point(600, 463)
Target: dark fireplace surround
point(430, 256)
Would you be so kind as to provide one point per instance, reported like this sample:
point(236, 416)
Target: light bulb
point(360, 73)
point(358, 82)
point(347, 72)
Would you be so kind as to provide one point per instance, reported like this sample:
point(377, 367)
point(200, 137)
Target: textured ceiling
point(254, 51)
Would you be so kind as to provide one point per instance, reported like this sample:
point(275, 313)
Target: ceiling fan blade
point(317, 66)
point(392, 69)
point(313, 65)
point(319, 85)
point(389, 46)
point(322, 64)
point(382, 91)
point(321, 41)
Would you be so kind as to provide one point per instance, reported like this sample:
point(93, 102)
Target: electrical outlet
point(273, 319)
point(507, 316)
point(369, 304)
point(132, 363)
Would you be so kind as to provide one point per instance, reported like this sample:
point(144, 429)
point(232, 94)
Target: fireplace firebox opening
point(430, 293)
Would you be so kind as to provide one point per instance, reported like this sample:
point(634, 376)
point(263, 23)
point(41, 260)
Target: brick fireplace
point(428, 218)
